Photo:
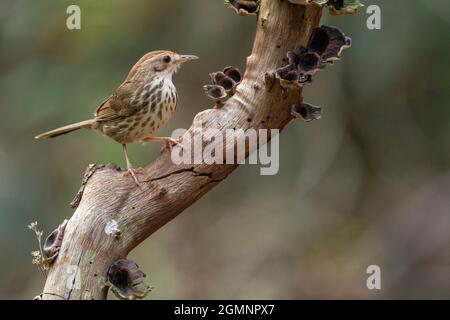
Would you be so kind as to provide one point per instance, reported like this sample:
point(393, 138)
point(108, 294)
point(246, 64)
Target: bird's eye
point(167, 59)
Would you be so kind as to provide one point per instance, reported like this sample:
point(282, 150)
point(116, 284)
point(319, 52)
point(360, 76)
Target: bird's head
point(159, 63)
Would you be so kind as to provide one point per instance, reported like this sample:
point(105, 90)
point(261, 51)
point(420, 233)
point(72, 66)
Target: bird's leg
point(130, 169)
point(170, 142)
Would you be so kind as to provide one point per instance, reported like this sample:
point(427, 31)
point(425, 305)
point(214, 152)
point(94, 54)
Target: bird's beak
point(186, 57)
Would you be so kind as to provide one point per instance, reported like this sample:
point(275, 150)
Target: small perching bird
point(140, 106)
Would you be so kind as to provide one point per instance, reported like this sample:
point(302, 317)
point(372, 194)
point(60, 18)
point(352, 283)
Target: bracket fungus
point(340, 7)
point(244, 7)
point(127, 281)
point(336, 7)
point(233, 73)
point(215, 92)
point(324, 47)
point(306, 111)
point(53, 243)
point(224, 84)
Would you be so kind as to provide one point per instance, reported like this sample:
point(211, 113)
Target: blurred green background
point(368, 184)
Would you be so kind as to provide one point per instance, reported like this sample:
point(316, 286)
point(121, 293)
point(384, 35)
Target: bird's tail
point(66, 129)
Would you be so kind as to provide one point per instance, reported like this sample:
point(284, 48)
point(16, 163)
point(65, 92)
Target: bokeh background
point(368, 184)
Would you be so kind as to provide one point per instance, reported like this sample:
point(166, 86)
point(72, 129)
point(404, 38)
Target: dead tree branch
point(113, 216)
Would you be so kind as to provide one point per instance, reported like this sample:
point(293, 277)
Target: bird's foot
point(133, 173)
point(170, 143)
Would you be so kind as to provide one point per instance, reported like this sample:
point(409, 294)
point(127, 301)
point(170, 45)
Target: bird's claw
point(170, 143)
point(132, 172)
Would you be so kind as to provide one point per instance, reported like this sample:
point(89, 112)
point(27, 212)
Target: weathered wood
point(169, 189)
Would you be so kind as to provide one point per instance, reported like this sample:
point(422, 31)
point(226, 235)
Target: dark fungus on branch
point(53, 243)
point(324, 47)
point(234, 73)
point(336, 7)
point(224, 84)
point(127, 281)
point(306, 111)
point(221, 79)
point(328, 42)
point(216, 93)
point(340, 7)
point(244, 7)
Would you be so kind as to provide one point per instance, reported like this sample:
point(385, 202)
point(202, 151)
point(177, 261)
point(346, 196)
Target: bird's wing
point(119, 104)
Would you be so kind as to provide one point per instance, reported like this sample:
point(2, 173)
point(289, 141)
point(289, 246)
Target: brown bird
point(140, 106)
